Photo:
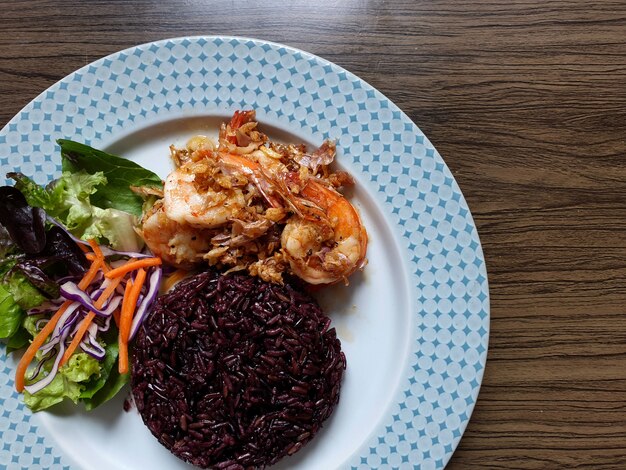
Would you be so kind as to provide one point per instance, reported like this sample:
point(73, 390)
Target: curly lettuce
point(11, 314)
point(68, 199)
point(69, 383)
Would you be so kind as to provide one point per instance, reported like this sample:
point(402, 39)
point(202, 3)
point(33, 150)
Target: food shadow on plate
point(339, 300)
point(106, 414)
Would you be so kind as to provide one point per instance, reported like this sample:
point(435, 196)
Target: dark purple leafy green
point(60, 256)
point(60, 245)
point(6, 244)
point(47, 253)
point(33, 270)
point(24, 223)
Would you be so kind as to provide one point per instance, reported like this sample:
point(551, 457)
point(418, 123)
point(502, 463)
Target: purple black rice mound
point(230, 372)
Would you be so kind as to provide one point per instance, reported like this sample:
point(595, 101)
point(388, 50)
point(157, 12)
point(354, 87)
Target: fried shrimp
point(177, 244)
point(328, 242)
point(192, 195)
point(247, 203)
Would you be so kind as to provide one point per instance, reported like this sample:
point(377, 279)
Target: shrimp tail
point(228, 132)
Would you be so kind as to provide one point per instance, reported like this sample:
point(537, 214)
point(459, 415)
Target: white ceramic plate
point(414, 325)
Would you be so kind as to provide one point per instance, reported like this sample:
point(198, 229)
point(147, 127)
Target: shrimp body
point(326, 242)
point(190, 198)
point(177, 244)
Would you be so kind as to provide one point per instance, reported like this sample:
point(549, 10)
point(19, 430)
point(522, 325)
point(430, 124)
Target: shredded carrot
point(84, 325)
point(93, 257)
point(123, 357)
point(90, 274)
point(123, 345)
point(126, 318)
point(83, 247)
point(41, 337)
point(174, 279)
point(133, 265)
point(96, 248)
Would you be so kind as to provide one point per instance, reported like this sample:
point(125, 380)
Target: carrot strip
point(132, 303)
point(123, 345)
point(122, 363)
point(98, 253)
point(83, 247)
point(90, 274)
point(116, 317)
point(131, 266)
point(41, 337)
point(106, 293)
point(126, 318)
point(84, 325)
point(92, 257)
point(96, 248)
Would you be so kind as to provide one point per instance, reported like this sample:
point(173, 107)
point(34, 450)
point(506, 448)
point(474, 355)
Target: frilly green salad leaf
point(59, 389)
point(116, 227)
point(68, 199)
point(120, 173)
point(70, 382)
point(11, 314)
point(23, 292)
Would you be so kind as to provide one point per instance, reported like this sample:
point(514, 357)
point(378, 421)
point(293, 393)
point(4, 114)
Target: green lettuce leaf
point(116, 227)
point(110, 382)
point(68, 199)
point(121, 174)
point(114, 383)
point(23, 292)
point(68, 383)
point(106, 366)
point(20, 339)
point(56, 391)
point(81, 367)
point(11, 314)
point(36, 196)
point(29, 324)
point(73, 206)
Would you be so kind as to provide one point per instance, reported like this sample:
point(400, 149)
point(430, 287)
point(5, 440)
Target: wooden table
point(526, 101)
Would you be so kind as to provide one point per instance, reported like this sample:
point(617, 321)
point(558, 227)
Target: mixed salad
point(75, 281)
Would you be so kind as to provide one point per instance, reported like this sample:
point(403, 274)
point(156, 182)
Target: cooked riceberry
point(232, 372)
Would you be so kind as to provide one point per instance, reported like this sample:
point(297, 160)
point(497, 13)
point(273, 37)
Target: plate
point(414, 325)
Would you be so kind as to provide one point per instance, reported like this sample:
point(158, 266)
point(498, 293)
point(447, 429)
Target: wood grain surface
point(526, 101)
